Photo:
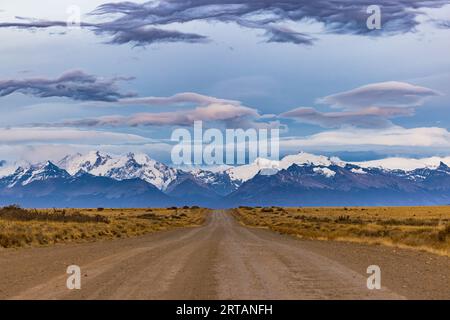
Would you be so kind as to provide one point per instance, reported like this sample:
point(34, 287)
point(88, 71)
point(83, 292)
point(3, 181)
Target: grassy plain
point(424, 228)
point(20, 227)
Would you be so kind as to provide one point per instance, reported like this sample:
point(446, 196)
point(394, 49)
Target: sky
point(132, 72)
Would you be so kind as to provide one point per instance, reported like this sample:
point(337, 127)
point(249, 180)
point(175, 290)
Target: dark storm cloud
point(148, 35)
point(75, 85)
point(137, 22)
point(337, 16)
point(281, 34)
point(120, 34)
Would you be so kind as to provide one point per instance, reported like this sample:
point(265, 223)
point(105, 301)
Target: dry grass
point(425, 228)
point(20, 227)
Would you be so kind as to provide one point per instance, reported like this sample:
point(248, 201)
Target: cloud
point(136, 22)
point(394, 139)
point(223, 112)
point(143, 36)
point(182, 98)
point(273, 32)
point(21, 135)
point(286, 35)
point(75, 85)
point(28, 23)
point(383, 94)
point(139, 35)
point(34, 153)
point(344, 17)
point(372, 117)
point(369, 106)
point(443, 24)
point(229, 115)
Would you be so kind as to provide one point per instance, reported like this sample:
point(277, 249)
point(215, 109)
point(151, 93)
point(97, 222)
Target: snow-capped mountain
point(99, 179)
point(219, 182)
point(268, 167)
point(334, 185)
point(52, 187)
point(38, 172)
point(7, 168)
point(125, 167)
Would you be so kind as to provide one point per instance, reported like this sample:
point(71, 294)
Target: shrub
point(16, 213)
point(444, 234)
point(343, 219)
point(150, 216)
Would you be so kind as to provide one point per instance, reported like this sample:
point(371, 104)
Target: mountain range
point(98, 179)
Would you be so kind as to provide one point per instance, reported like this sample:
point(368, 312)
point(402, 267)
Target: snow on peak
point(310, 159)
point(42, 171)
point(87, 162)
point(248, 171)
point(358, 171)
point(8, 169)
point(130, 166)
point(406, 164)
point(325, 172)
point(266, 166)
point(142, 158)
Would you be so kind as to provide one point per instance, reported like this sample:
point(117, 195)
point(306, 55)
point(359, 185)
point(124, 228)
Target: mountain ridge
point(302, 179)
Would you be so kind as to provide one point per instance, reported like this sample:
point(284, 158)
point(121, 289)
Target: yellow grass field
point(425, 228)
point(20, 228)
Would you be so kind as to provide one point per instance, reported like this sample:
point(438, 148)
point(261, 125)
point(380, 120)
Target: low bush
point(17, 213)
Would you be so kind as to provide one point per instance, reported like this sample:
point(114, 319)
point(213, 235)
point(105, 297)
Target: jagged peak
point(97, 153)
point(442, 166)
point(46, 166)
point(50, 164)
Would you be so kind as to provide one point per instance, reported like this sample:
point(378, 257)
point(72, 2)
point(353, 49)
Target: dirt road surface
point(221, 260)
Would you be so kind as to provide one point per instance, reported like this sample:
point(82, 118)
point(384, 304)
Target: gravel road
point(221, 260)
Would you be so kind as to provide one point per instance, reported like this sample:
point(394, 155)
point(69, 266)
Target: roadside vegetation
point(31, 227)
point(425, 228)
